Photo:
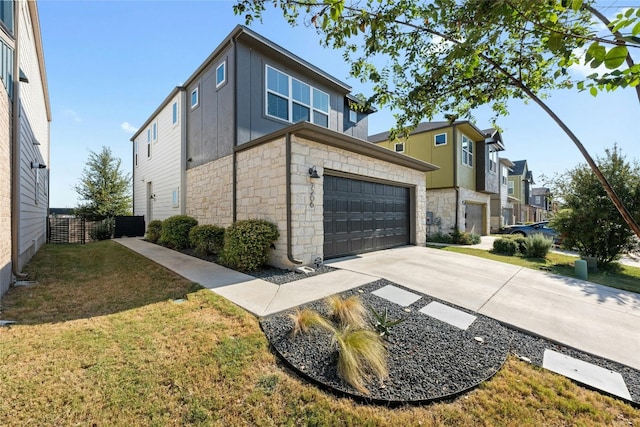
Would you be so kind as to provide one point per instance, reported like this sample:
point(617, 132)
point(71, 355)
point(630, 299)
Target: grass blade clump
point(362, 357)
point(307, 319)
point(347, 311)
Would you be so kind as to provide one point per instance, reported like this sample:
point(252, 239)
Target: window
point(510, 191)
point(353, 116)
point(399, 147)
point(194, 98)
point(155, 131)
point(6, 15)
point(221, 74)
point(6, 66)
point(175, 197)
point(440, 139)
point(148, 135)
point(174, 113)
point(293, 100)
point(493, 160)
point(36, 195)
point(538, 200)
point(504, 175)
point(467, 151)
point(136, 152)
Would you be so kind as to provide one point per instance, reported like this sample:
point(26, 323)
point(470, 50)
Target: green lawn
point(618, 276)
point(101, 341)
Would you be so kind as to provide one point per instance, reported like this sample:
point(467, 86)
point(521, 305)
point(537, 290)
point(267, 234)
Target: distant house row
point(257, 132)
point(25, 116)
point(476, 189)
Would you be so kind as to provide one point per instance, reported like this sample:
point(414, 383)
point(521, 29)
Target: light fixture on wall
point(153, 196)
point(35, 143)
point(37, 165)
point(313, 172)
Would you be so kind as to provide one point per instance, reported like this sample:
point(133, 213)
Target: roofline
point(445, 124)
point(35, 23)
point(153, 115)
point(345, 142)
point(240, 30)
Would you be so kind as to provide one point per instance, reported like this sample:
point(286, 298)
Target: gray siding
point(357, 130)
point(210, 124)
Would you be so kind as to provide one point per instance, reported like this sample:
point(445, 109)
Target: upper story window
point(504, 175)
point(221, 74)
point(440, 139)
point(135, 155)
point(493, 160)
point(292, 100)
point(194, 98)
point(175, 197)
point(511, 190)
point(154, 128)
point(174, 113)
point(399, 147)
point(148, 136)
point(6, 15)
point(353, 116)
point(467, 151)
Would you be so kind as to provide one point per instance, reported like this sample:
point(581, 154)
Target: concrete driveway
point(590, 317)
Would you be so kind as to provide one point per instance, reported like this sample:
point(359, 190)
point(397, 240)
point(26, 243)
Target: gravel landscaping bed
point(428, 359)
point(280, 276)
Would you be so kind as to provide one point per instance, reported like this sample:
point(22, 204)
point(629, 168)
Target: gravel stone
point(428, 360)
point(280, 276)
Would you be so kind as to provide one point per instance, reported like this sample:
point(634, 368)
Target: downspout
point(288, 201)
point(234, 158)
point(15, 155)
point(455, 174)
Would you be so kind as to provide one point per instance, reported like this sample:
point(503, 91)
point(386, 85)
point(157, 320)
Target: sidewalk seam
point(499, 289)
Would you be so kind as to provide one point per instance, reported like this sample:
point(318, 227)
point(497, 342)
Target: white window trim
point(154, 131)
point(222, 65)
point(135, 154)
point(470, 153)
point(353, 116)
point(493, 161)
point(290, 99)
point(435, 144)
point(174, 105)
point(175, 197)
point(401, 144)
point(511, 187)
point(197, 93)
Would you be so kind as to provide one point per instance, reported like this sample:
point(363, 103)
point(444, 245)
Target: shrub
point(175, 231)
point(361, 357)
point(521, 241)
point(154, 231)
point(538, 246)
point(247, 243)
point(101, 231)
point(440, 238)
point(464, 238)
point(347, 311)
point(307, 319)
point(207, 239)
point(505, 246)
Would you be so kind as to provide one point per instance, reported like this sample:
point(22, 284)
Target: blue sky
point(111, 63)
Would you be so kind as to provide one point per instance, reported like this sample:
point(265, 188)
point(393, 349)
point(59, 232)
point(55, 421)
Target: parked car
point(531, 229)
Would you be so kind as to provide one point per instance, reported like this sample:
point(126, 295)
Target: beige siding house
point(24, 128)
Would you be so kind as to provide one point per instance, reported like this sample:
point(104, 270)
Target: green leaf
point(636, 29)
point(615, 57)
point(555, 42)
point(576, 5)
point(596, 52)
point(593, 91)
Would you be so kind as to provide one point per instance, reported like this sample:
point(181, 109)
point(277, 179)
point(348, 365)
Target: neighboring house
point(261, 133)
point(24, 139)
point(540, 202)
point(459, 194)
point(502, 202)
point(520, 182)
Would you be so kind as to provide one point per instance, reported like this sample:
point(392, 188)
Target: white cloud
point(128, 127)
point(72, 115)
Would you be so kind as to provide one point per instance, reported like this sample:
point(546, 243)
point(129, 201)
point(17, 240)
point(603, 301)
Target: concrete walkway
point(592, 318)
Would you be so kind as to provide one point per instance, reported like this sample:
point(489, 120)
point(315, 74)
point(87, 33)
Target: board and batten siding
point(34, 143)
point(163, 168)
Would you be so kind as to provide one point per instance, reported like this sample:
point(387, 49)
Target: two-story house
point(520, 184)
point(257, 132)
point(502, 202)
point(24, 139)
point(540, 202)
point(459, 193)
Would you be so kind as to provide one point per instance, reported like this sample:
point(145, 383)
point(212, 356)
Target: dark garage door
point(362, 216)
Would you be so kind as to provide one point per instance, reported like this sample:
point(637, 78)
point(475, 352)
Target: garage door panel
point(362, 216)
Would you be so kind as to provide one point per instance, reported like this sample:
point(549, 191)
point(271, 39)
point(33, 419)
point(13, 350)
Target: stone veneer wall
point(442, 202)
point(209, 192)
point(5, 192)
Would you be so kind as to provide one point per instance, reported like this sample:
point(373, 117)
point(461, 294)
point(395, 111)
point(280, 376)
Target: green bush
point(154, 231)
point(440, 238)
point(505, 246)
point(464, 238)
point(247, 243)
point(101, 231)
point(207, 239)
point(538, 246)
point(175, 231)
point(521, 241)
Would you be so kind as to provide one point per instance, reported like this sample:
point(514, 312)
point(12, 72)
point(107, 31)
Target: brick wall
point(209, 192)
point(5, 192)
